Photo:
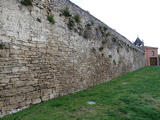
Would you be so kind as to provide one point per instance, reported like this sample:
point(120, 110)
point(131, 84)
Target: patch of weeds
point(101, 48)
point(26, 2)
point(105, 28)
point(77, 18)
point(128, 99)
point(89, 26)
point(102, 54)
point(50, 18)
point(110, 56)
point(71, 23)
point(111, 113)
point(66, 12)
point(123, 109)
point(79, 119)
point(39, 20)
point(114, 61)
point(57, 105)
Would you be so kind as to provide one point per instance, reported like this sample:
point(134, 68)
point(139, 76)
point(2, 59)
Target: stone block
point(19, 84)
point(35, 101)
point(45, 98)
point(1, 104)
point(15, 69)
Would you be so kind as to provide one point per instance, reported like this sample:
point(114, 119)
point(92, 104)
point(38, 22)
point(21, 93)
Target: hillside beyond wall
point(40, 60)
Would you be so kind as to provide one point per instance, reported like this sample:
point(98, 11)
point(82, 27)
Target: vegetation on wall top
point(66, 12)
point(105, 28)
point(71, 23)
point(50, 18)
point(114, 61)
point(110, 56)
point(26, 2)
point(101, 48)
point(77, 18)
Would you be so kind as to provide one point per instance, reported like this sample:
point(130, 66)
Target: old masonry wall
point(40, 60)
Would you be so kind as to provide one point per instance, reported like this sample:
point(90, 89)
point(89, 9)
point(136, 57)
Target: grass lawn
point(134, 96)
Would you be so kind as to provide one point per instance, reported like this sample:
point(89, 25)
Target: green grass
point(134, 96)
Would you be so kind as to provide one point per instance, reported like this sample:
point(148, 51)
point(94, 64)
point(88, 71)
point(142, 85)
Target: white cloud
point(128, 17)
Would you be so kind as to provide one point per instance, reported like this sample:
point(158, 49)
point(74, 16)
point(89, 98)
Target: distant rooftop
point(139, 43)
point(150, 47)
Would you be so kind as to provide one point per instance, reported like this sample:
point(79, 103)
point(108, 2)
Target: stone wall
point(40, 60)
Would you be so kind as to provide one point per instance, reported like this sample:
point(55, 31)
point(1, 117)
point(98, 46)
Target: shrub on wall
point(50, 18)
point(77, 18)
point(71, 23)
point(66, 12)
point(110, 56)
point(114, 62)
point(101, 48)
point(105, 28)
point(39, 20)
point(26, 2)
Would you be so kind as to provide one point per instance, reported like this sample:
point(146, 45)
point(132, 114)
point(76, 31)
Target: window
point(152, 53)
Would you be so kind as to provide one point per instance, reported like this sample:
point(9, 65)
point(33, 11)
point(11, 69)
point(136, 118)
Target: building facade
point(151, 56)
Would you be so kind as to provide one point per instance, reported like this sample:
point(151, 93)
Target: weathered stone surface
point(40, 61)
point(35, 101)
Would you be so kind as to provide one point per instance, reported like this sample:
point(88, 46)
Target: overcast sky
point(130, 18)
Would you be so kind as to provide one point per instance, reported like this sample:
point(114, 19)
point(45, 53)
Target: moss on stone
point(101, 48)
point(26, 2)
point(50, 18)
point(71, 23)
